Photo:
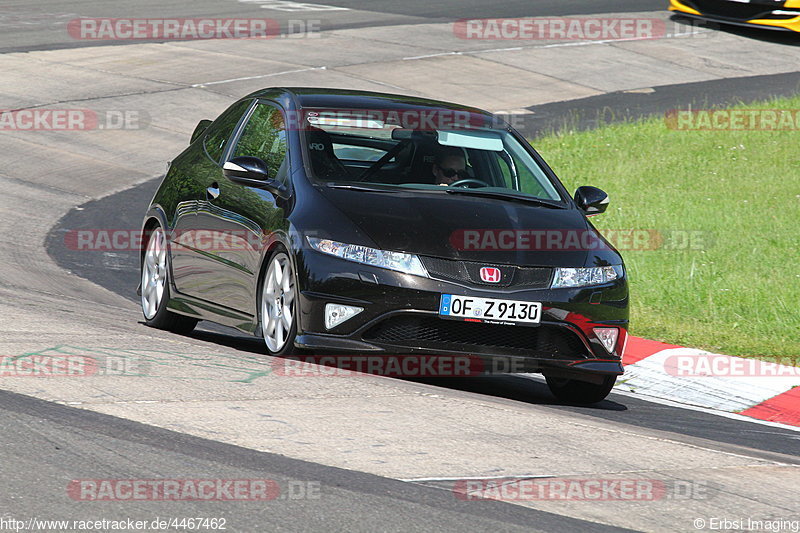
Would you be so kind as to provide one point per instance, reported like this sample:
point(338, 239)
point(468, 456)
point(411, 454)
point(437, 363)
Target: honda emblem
point(490, 274)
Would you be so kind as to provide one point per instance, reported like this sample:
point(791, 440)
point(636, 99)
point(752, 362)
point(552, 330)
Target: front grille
point(734, 10)
point(469, 272)
point(543, 341)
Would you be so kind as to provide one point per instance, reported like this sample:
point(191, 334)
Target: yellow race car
point(773, 14)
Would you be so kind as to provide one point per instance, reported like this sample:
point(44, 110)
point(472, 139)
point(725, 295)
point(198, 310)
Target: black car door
point(188, 180)
point(239, 218)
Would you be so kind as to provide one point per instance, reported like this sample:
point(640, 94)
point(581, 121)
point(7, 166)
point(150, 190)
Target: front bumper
point(774, 15)
point(401, 317)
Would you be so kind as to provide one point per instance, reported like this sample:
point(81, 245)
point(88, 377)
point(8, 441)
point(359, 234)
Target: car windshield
point(360, 150)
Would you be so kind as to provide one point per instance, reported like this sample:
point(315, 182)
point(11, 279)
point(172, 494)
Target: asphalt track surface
point(72, 444)
point(622, 106)
point(25, 26)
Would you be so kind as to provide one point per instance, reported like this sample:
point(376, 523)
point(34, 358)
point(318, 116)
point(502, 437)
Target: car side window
point(264, 137)
point(505, 172)
point(220, 131)
point(529, 183)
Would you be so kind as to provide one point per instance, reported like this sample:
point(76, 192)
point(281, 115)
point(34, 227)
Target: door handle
point(212, 193)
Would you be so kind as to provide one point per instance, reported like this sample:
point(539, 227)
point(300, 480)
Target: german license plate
point(491, 310)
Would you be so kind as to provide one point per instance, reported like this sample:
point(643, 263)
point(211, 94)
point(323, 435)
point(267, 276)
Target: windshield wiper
point(505, 196)
point(357, 188)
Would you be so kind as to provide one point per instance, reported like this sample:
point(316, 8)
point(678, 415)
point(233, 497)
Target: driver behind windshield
point(450, 166)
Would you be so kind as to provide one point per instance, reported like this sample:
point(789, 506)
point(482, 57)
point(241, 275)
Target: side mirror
point(252, 172)
point(591, 200)
point(201, 127)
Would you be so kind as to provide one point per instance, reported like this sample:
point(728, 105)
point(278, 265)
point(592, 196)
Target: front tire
point(573, 391)
point(155, 288)
point(278, 305)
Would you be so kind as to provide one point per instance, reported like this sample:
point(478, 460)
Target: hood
point(471, 228)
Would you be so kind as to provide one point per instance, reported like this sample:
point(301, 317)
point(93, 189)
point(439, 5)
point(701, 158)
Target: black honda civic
point(345, 222)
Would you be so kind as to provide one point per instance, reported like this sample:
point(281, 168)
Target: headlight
point(584, 277)
point(399, 261)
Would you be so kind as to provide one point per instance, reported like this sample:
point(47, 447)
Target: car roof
point(316, 97)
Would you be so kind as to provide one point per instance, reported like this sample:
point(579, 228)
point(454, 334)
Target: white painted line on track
point(542, 46)
point(246, 78)
point(440, 54)
point(514, 476)
point(291, 6)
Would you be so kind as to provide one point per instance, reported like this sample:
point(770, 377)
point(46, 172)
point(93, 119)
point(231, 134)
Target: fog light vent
point(608, 337)
point(335, 314)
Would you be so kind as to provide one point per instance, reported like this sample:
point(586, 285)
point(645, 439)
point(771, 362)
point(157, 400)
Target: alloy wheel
point(277, 302)
point(154, 273)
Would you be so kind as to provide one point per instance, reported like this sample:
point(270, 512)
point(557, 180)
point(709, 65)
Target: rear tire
point(155, 288)
point(577, 392)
